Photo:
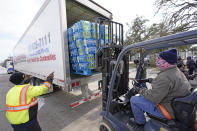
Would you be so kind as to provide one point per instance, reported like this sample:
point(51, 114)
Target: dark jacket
point(191, 64)
point(169, 84)
point(189, 77)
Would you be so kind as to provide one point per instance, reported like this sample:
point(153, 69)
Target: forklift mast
point(107, 53)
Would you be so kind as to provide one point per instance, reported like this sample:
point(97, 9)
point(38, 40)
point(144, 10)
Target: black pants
point(191, 71)
point(32, 125)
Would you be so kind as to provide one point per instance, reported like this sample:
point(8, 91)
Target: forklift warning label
point(162, 129)
point(50, 57)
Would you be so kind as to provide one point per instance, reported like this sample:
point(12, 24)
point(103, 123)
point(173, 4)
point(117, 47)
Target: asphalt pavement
point(56, 113)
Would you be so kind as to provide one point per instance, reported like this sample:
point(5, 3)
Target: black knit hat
point(17, 78)
point(170, 56)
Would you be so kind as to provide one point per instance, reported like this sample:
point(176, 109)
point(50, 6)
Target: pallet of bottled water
point(82, 46)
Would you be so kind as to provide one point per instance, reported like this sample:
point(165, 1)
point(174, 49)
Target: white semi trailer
point(43, 48)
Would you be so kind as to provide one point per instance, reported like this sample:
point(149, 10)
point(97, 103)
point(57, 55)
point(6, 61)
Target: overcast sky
point(16, 15)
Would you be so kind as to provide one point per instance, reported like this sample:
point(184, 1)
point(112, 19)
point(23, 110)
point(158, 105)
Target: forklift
point(113, 61)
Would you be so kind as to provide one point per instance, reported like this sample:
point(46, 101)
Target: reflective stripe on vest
point(22, 107)
point(23, 101)
point(33, 102)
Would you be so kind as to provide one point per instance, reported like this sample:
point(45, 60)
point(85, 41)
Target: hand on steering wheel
point(132, 92)
point(136, 87)
point(135, 82)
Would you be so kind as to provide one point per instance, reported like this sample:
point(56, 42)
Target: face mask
point(162, 64)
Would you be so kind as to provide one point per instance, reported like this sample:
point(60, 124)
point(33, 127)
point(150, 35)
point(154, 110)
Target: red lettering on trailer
point(61, 80)
point(42, 58)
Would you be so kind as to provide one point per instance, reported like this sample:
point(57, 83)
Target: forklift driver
point(169, 84)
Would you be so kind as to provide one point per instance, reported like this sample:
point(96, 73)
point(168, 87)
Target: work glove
point(132, 92)
point(136, 89)
point(50, 77)
point(150, 80)
point(145, 80)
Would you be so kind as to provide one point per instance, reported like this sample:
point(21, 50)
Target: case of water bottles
point(85, 58)
point(85, 43)
point(104, 33)
point(82, 47)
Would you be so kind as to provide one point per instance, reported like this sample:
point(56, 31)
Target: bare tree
point(139, 31)
point(181, 14)
point(136, 30)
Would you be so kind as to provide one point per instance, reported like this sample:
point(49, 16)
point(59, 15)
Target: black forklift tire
point(105, 126)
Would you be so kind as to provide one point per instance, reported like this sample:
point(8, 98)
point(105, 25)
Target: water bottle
point(74, 52)
point(89, 42)
point(73, 59)
point(79, 43)
point(75, 66)
point(72, 45)
point(90, 50)
point(86, 66)
point(82, 35)
point(85, 43)
point(83, 66)
point(74, 28)
point(81, 51)
point(84, 25)
point(91, 65)
point(104, 34)
point(93, 31)
point(86, 58)
point(70, 34)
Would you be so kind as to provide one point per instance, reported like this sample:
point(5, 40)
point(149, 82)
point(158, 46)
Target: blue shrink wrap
point(86, 58)
point(85, 43)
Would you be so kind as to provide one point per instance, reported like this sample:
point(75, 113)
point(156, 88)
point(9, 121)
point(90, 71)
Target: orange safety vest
point(23, 102)
point(20, 99)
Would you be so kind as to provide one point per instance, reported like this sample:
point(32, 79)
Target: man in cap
point(169, 84)
point(22, 104)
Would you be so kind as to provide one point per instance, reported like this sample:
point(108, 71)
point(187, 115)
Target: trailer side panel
point(39, 51)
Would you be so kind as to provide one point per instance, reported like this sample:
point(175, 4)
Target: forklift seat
point(157, 118)
point(184, 110)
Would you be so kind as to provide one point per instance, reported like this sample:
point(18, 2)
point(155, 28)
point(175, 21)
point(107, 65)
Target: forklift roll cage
point(179, 39)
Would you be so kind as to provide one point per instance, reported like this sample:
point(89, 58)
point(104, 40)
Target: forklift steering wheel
point(135, 82)
point(136, 86)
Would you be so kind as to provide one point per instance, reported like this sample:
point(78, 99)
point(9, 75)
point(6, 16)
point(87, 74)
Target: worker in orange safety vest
point(22, 104)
